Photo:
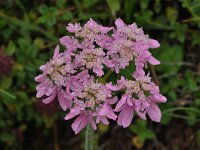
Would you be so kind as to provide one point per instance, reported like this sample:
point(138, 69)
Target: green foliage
point(48, 15)
point(170, 57)
point(127, 72)
point(141, 130)
point(114, 6)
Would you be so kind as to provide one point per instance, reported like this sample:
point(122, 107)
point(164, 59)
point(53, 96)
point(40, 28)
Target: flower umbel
point(78, 75)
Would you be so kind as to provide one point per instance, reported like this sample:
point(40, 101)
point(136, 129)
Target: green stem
point(181, 108)
point(180, 116)
point(8, 94)
point(105, 77)
point(89, 138)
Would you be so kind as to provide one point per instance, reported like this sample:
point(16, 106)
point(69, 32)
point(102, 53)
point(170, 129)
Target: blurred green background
point(29, 31)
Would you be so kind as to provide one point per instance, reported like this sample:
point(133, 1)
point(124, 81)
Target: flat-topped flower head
point(78, 77)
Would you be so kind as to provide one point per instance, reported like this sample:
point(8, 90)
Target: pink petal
point(127, 121)
point(120, 117)
point(79, 123)
point(154, 43)
point(56, 52)
point(49, 99)
point(102, 119)
point(154, 112)
point(113, 87)
point(125, 116)
point(63, 40)
point(113, 100)
point(62, 100)
point(130, 101)
point(138, 108)
point(105, 30)
point(43, 67)
point(40, 86)
point(50, 90)
point(145, 103)
point(119, 23)
point(99, 72)
point(91, 23)
point(98, 119)
point(160, 98)
point(121, 102)
point(93, 124)
point(108, 112)
point(41, 92)
point(153, 61)
point(142, 115)
point(39, 78)
point(73, 27)
point(104, 110)
point(73, 112)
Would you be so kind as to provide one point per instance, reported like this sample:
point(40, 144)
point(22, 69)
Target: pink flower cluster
point(76, 76)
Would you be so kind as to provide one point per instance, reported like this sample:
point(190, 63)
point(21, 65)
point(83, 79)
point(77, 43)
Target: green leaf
point(3, 23)
point(7, 96)
point(157, 6)
point(89, 3)
point(143, 17)
point(128, 9)
point(191, 84)
point(24, 43)
point(193, 7)
point(2, 123)
point(113, 78)
point(191, 118)
point(166, 116)
point(32, 52)
point(5, 82)
point(197, 102)
point(140, 128)
point(170, 58)
point(23, 24)
point(128, 71)
point(146, 134)
point(61, 3)
point(30, 67)
point(49, 15)
point(67, 16)
point(144, 4)
point(6, 137)
point(172, 14)
point(43, 9)
point(38, 42)
point(195, 39)
point(114, 6)
point(10, 50)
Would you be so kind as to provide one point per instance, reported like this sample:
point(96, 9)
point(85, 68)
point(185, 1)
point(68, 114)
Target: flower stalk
point(89, 138)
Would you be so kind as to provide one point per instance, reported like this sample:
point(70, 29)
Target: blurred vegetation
point(29, 31)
